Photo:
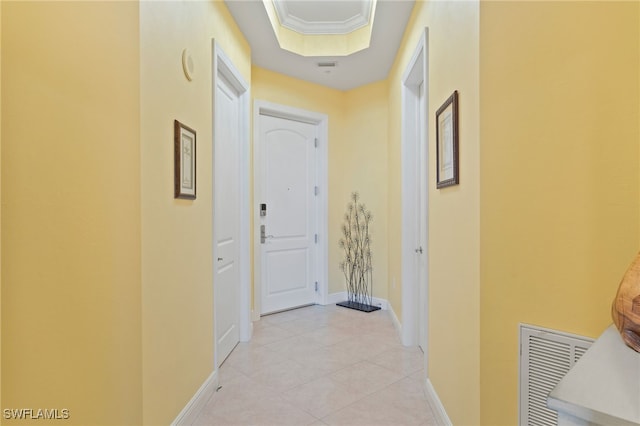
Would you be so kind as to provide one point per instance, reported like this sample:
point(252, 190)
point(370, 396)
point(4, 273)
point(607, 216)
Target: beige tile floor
point(321, 365)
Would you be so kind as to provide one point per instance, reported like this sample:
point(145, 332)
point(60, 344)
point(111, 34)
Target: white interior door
point(288, 213)
point(422, 197)
point(227, 213)
point(415, 166)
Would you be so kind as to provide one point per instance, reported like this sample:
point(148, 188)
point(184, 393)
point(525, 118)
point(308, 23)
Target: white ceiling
point(363, 67)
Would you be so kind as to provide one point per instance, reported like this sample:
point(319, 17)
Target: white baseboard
point(394, 318)
point(247, 337)
point(334, 298)
point(341, 296)
point(440, 413)
point(190, 412)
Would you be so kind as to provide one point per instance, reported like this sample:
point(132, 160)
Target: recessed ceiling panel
point(324, 11)
point(323, 17)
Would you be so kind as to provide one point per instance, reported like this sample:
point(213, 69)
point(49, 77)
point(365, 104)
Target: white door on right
point(288, 213)
point(422, 236)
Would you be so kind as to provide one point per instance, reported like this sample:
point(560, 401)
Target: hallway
point(321, 365)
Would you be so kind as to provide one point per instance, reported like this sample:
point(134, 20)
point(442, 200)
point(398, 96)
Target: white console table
point(602, 388)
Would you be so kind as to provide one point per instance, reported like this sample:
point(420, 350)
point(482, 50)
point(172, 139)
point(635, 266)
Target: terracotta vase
point(626, 306)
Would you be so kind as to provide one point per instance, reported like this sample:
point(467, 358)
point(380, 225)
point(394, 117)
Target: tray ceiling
point(388, 19)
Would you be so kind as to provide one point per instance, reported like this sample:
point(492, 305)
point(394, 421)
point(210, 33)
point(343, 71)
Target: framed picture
point(447, 172)
point(184, 148)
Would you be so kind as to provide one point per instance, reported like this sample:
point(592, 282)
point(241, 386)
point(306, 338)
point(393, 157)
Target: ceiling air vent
point(327, 64)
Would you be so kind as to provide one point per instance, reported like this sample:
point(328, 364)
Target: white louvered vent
point(546, 356)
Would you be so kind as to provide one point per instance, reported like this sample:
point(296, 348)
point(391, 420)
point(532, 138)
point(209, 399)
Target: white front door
point(287, 169)
point(226, 220)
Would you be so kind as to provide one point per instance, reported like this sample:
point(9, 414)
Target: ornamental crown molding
point(360, 17)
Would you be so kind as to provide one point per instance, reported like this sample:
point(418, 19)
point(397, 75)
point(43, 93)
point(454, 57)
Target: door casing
point(322, 258)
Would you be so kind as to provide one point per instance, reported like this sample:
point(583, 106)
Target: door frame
point(261, 107)
point(222, 66)
point(416, 73)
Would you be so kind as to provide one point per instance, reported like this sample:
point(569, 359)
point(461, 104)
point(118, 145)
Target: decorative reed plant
point(356, 243)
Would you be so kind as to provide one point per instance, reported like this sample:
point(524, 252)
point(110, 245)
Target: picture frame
point(184, 151)
point(447, 148)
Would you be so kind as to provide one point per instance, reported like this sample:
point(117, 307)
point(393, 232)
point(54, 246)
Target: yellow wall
point(357, 152)
point(115, 321)
point(360, 163)
point(560, 144)
point(454, 285)
point(71, 324)
point(177, 292)
point(1, 205)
